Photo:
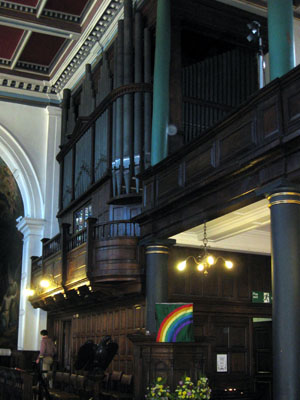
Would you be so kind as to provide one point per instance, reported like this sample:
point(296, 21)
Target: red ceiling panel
point(29, 3)
point(10, 38)
point(74, 7)
point(41, 49)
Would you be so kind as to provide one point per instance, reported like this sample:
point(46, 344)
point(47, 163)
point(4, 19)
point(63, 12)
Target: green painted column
point(160, 116)
point(281, 37)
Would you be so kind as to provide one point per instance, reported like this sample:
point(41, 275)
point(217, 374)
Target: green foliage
point(185, 390)
point(158, 390)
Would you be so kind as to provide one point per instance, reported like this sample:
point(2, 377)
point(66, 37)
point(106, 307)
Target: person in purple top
point(47, 352)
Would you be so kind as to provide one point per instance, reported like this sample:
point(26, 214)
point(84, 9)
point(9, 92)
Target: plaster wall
point(29, 142)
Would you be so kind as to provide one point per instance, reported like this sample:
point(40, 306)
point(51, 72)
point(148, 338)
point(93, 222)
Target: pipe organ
point(215, 87)
point(110, 129)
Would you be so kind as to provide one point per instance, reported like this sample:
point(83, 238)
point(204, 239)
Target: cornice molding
point(96, 36)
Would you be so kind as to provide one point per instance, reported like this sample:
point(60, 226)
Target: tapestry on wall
point(11, 207)
point(174, 322)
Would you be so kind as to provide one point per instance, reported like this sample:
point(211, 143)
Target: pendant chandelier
point(205, 260)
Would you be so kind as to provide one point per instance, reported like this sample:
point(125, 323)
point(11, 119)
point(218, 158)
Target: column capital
point(278, 186)
point(157, 242)
point(287, 195)
point(31, 226)
point(54, 111)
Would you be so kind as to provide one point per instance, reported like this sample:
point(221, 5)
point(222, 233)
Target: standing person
point(47, 352)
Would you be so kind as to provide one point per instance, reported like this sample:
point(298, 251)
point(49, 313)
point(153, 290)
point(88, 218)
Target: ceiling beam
point(40, 8)
point(67, 30)
point(20, 48)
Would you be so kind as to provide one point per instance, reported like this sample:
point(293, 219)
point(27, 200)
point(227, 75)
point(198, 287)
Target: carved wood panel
point(117, 322)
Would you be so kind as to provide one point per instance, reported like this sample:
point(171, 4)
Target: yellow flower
point(159, 379)
point(187, 378)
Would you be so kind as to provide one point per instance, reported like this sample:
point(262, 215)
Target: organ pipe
point(147, 98)
point(128, 98)
point(214, 87)
point(138, 97)
point(119, 108)
point(64, 117)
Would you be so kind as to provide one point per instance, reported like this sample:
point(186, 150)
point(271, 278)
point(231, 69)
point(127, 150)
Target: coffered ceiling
point(43, 43)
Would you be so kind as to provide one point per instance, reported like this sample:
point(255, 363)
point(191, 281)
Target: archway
point(21, 167)
point(32, 228)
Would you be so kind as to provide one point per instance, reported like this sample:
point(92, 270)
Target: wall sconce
point(205, 260)
point(47, 281)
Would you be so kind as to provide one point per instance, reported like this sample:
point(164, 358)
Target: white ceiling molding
point(40, 28)
point(244, 230)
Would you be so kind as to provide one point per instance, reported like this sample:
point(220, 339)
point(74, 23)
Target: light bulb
point(181, 266)
point(200, 267)
point(228, 264)
point(44, 283)
point(210, 260)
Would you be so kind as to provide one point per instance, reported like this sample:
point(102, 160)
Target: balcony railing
point(51, 246)
point(77, 239)
point(115, 229)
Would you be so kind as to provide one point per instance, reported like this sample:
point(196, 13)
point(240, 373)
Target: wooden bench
point(63, 386)
point(15, 384)
point(117, 385)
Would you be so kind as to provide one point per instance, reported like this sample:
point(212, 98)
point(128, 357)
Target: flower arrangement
point(185, 390)
point(158, 390)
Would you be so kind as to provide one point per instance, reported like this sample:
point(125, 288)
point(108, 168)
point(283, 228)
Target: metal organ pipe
point(128, 98)
point(114, 122)
point(119, 108)
point(138, 97)
point(147, 98)
point(64, 117)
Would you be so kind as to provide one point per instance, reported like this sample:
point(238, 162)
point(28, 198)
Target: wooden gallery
point(156, 148)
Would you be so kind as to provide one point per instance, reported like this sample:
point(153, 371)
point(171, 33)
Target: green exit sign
point(262, 297)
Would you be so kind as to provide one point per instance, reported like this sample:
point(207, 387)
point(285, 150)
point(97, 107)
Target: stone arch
point(22, 169)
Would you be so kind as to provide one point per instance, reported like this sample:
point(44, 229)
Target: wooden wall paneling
point(110, 321)
point(243, 281)
point(194, 166)
point(269, 118)
point(117, 258)
point(123, 318)
point(210, 282)
point(116, 321)
point(105, 323)
point(167, 183)
point(238, 363)
point(130, 318)
point(228, 284)
point(291, 107)
point(140, 317)
point(238, 138)
point(76, 260)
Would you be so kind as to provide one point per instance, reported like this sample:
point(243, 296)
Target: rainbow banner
point(175, 322)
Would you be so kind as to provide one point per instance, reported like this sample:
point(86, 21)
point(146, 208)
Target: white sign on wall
point(222, 363)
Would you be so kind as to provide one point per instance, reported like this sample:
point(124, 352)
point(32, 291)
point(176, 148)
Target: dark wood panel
point(195, 166)
point(76, 262)
point(166, 183)
point(237, 140)
point(250, 273)
point(116, 259)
